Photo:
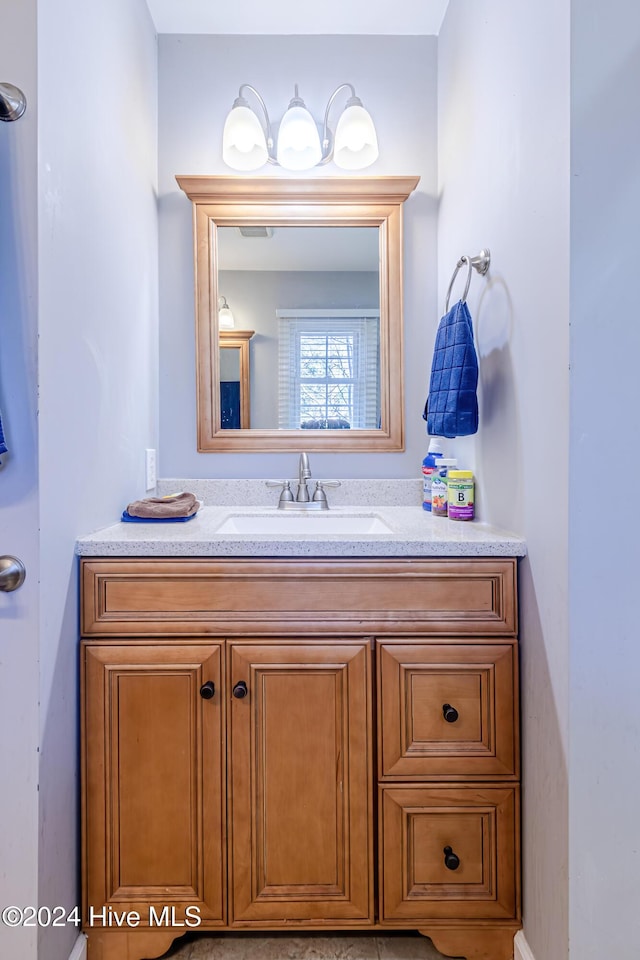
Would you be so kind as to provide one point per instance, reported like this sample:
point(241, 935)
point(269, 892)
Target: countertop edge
point(415, 534)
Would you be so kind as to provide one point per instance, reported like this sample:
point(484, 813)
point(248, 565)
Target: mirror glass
point(311, 269)
point(312, 296)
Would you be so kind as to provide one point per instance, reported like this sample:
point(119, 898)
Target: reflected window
point(329, 366)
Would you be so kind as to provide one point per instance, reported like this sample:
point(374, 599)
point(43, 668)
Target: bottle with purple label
point(460, 494)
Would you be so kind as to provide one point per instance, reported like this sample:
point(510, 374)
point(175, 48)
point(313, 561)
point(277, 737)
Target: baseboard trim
point(521, 949)
point(79, 951)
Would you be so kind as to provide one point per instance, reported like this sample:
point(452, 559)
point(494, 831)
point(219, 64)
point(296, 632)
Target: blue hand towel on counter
point(452, 405)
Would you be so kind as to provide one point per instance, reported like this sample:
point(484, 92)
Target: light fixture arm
point(327, 138)
point(242, 102)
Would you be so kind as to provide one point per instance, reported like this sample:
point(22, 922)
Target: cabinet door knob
point(207, 690)
point(240, 690)
point(449, 713)
point(451, 860)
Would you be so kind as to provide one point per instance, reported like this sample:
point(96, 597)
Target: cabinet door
point(153, 781)
point(301, 787)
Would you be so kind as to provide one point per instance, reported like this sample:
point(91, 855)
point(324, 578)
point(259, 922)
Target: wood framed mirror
point(314, 267)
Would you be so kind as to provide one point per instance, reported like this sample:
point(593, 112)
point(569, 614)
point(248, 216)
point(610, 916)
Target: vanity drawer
point(176, 596)
point(447, 711)
point(477, 825)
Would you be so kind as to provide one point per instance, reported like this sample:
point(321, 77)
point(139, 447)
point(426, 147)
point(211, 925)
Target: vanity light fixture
point(246, 145)
point(225, 316)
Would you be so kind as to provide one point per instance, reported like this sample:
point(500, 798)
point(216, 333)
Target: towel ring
point(479, 263)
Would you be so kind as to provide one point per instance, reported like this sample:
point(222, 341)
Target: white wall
point(604, 521)
point(198, 82)
point(98, 352)
point(19, 479)
point(504, 183)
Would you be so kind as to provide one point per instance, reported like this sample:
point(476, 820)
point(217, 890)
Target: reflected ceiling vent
point(261, 232)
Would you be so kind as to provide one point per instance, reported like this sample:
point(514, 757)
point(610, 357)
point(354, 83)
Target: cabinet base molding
point(474, 943)
point(124, 945)
point(468, 941)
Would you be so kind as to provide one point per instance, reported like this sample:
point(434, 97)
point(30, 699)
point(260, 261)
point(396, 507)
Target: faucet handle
point(319, 494)
point(286, 494)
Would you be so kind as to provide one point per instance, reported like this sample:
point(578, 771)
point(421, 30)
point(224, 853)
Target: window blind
point(329, 369)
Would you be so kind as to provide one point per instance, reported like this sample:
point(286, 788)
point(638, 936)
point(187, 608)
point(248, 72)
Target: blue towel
point(452, 405)
point(127, 518)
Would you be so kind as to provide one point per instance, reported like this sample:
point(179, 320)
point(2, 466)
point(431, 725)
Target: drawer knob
point(240, 690)
point(449, 713)
point(451, 860)
point(207, 690)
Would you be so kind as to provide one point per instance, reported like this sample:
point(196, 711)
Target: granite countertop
point(414, 533)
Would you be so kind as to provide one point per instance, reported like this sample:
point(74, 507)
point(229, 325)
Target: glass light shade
point(244, 146)
point(225, 318)
point(356, 143)
point(298, 140)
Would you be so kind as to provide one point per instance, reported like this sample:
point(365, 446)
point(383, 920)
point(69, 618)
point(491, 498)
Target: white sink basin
point(303, 524)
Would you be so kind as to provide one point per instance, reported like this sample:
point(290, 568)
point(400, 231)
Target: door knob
point(451, 860)
point(13, 102)
point(240, 690)
point(207, 690)
point(12, 573)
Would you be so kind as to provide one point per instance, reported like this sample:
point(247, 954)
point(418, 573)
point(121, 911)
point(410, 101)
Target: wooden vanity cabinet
point(318, 744)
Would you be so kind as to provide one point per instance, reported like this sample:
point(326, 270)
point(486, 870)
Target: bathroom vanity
point(323, 738)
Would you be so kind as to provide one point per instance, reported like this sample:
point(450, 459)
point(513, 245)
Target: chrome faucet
point(302, 500)
point(304, 474)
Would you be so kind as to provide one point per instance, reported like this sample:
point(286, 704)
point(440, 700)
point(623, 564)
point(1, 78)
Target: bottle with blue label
point(439, 485)
point(429, 469)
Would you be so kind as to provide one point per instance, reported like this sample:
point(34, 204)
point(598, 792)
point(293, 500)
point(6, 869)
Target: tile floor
point(281, 946)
